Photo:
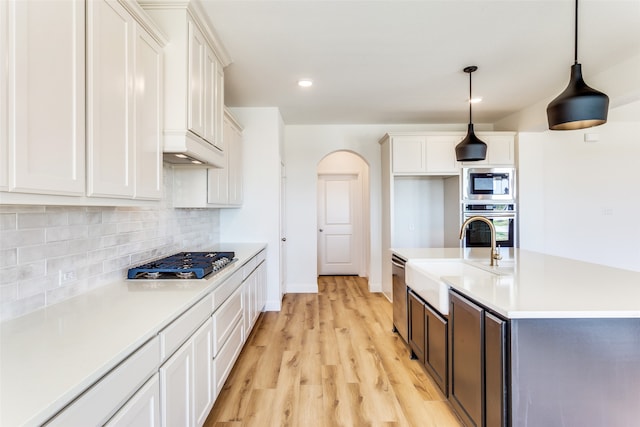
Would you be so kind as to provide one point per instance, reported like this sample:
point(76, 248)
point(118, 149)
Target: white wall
point(305, 146)
point(258, 219)
point(581, 200)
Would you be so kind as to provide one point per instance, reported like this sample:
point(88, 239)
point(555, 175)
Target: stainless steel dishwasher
point(400, 319)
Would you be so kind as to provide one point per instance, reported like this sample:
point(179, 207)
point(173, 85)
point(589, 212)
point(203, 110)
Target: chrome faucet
point(495, 255)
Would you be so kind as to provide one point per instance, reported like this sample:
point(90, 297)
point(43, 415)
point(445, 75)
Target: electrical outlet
point(67, 276)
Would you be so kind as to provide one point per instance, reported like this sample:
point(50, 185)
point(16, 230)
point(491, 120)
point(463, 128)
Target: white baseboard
point(302, 288)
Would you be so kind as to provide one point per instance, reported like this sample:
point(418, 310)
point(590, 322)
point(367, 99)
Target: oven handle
point(490, 215)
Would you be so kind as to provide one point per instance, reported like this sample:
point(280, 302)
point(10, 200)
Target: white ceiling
point(394, 61)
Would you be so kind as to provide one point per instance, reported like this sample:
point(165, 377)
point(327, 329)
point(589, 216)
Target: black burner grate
point(183, 265)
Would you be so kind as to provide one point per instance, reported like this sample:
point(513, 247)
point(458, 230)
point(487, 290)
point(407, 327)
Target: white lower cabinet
point(142, 410)
point(174, 379)
point(186, 381)
point(96, 405)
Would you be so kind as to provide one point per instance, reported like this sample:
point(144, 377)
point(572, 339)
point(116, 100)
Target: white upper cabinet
point(425, 154)
point(109, 99)
point(434, 154)
point(500, 150)
point(42, 143)
point(213, 187)
point(124, 69)
point(193, 83)
point(148, 103)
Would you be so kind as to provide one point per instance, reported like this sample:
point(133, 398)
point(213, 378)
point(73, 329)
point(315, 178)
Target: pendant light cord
point(470, 97)
point(575, 53)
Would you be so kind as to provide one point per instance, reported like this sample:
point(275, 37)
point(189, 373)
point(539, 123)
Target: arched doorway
point(343, 215)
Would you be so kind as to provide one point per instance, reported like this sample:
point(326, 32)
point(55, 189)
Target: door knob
point(321, 230)
point(284, 239)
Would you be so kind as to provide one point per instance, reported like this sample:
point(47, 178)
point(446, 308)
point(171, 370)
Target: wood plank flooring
point(329, 359)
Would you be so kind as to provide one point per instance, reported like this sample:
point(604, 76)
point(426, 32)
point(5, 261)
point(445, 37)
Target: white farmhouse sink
point(425, 277)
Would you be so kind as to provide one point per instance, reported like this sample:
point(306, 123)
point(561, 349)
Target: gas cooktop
point(183, 265)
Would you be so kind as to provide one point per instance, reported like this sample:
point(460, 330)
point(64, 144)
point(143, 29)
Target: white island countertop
point(542, 286)
point(48, 357)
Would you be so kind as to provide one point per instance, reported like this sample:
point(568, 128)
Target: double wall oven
point(490, 192)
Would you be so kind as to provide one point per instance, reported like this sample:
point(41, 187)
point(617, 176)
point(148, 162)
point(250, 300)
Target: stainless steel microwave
point(489, 183)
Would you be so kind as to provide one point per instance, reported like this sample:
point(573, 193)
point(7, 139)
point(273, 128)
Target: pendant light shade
point(579, 106)
point(471, 148)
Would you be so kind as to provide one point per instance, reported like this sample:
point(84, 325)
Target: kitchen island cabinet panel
point(45, 100)
point(583, 371)
point(466, 353)
point(416, 327)
point(496, 365)
point(436, 351)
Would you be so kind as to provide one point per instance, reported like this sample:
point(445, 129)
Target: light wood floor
point(329, 359)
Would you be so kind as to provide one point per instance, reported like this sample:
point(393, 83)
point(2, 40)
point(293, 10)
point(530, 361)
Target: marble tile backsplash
point(51, 253)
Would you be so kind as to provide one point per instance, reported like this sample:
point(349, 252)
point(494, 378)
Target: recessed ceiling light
point(305, 82)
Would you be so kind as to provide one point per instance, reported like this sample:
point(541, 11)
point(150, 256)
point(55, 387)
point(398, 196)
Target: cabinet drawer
point(261, 256)
point(104, 398)
point(183, 327)
point(222, 292)
point(223, 363)
point(224, 320)
point(249, 267)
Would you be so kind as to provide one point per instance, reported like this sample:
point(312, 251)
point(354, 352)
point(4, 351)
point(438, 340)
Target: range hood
point(185, 148)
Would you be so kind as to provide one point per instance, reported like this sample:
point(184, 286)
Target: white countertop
point(543, 286)
point(51, 355)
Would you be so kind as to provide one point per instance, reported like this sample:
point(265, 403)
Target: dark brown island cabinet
point(542, 371)
point(428, 336)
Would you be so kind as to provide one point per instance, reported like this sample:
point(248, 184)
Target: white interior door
point(339, 214)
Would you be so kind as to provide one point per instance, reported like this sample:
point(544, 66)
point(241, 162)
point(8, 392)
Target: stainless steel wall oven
point(503, 217)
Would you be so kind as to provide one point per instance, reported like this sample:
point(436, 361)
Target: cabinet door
point(209, 97)
point(466, 354)
point(176, 388)
point(196, 90)
point(500, 150)
point(142, 410)
point(148, 116)
point(408, 154)
point(219, 106)
point(233, 146)
point(495, 368)
point(416, 327)
point(45, 94)
point(203, 372)
point(110, 110)
point(4, 99)
point(436, 350)
point(440, 152)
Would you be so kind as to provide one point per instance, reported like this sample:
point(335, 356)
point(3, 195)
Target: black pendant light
point(471, 148)
point(579, 106)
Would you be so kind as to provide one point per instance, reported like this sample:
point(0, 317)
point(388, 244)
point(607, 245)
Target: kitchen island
point(558, 339)
point(53, 358)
